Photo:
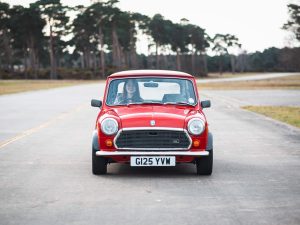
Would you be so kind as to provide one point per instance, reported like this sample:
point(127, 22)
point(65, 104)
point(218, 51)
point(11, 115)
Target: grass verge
point(229, 75)
point(290, 115)
point(15, 86)
point(289, 82)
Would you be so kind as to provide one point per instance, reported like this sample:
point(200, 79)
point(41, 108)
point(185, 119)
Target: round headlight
point(196, 126)
point(109, 126)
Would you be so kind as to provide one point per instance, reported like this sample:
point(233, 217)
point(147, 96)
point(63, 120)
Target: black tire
point(204, 164)
point(99, 164)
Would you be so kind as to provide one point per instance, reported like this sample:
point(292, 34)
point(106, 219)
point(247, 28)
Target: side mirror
point(205, 104)
point(96, 103)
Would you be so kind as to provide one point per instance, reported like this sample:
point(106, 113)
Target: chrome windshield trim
point(153, 128)
point(146, 77)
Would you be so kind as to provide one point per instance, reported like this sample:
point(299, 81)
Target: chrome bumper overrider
point(149, 153)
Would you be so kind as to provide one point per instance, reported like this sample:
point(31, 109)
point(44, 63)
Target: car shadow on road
point(125, 170)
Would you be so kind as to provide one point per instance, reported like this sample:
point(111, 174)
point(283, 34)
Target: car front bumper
point(154, 153)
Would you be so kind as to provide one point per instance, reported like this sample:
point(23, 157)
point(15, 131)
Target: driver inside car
point(131, 93)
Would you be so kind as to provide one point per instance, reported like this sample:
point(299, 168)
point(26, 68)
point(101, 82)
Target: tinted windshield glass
point(150, 90)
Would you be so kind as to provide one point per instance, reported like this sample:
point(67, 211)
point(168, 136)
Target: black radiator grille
point(153, 139)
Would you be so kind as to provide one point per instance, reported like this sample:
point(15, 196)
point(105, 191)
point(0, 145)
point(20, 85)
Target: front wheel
point(205, 164)
point(99, 164)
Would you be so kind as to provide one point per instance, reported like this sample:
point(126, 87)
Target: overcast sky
point(257, 23)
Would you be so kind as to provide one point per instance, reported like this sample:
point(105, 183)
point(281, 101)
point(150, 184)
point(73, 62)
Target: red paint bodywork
point(172, 116)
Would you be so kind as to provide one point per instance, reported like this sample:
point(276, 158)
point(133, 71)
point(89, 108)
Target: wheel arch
point(209, 145)
point(95, 143)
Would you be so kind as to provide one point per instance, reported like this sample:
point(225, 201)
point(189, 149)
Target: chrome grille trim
point(153, 128)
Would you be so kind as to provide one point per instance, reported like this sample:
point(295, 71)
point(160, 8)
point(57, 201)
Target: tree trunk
point(25, 64)
point(8, 51)
point(37, 61)
point(244, 63)
point(193, 61)
point(121, 56)
point(59, 60)
point(82, 60)
point(157, 56)
point(116, 55)
point(53, 72)
point(84, 57)
point(94, 64)
point(88, 58)
point(221, 65)
point(162, 61)
point(133, 59)
point(205, 64)
point(132, 52)
point(32, 56)
point(34, 65)
point(232, 61)
point(102, 59)
point(178, 63)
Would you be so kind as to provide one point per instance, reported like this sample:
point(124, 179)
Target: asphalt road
point(20, 113)
point(258, 76)
point(45, 169)
point(240, 98)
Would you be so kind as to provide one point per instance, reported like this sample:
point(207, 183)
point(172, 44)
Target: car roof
point(170, 73)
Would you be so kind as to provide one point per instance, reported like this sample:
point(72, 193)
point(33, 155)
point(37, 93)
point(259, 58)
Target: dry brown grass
point(15, 86)
point(289, 82)
point(290, 115)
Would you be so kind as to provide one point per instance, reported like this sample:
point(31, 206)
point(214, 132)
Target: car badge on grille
point(152, 122)
point(175, 141)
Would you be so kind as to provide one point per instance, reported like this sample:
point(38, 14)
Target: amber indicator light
point(108, 143)
point(196, 143)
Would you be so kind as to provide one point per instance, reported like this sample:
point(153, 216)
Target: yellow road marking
point(43, 125)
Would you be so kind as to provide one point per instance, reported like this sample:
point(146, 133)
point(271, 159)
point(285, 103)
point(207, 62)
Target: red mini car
point(151, 118)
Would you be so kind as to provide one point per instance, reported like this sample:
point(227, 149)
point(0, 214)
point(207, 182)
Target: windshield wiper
point(132, 103)
point(151, 103)
point(177, 103)
point(143, 103)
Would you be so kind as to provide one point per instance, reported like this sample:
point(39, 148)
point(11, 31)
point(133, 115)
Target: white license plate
point(152, 161)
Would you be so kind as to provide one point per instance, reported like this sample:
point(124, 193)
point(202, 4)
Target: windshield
point(151, 91)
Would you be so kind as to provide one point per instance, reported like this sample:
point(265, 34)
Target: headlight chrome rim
point(109, 131)
point(191, 122)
